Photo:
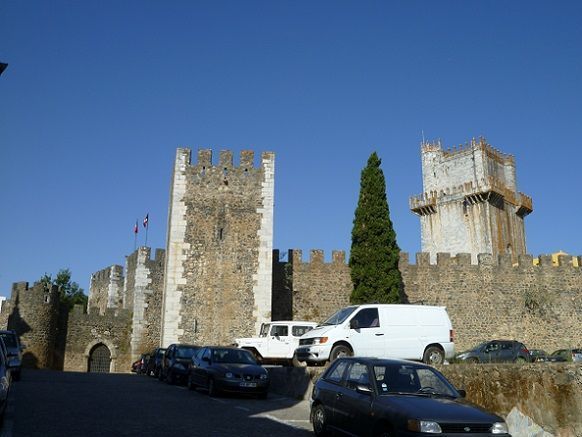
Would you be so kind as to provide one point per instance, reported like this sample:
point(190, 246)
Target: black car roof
point(382, 361)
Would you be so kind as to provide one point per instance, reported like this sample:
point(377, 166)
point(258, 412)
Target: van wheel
point(340, 351)
point(433, 355)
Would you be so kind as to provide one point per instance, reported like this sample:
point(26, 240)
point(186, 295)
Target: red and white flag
point(135, 228)
point(146, 220)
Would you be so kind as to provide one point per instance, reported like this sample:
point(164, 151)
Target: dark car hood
point(249, 369)
point(439, 409)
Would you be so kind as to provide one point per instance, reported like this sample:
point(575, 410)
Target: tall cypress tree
point(374, 254)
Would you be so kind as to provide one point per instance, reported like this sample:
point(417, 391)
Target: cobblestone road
point(49, 403)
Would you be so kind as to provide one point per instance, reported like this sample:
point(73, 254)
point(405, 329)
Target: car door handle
point(379, 334)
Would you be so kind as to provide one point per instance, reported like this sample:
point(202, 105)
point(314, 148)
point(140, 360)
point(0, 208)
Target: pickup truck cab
point(277, 341)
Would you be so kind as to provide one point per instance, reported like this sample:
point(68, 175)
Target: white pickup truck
point(277, 341)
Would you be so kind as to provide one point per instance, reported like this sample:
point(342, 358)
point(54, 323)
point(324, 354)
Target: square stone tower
point(218, 267)
point(470, 202)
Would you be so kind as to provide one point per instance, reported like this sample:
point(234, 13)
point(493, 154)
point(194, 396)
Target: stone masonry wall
point(144, 283)
point(106, 289)
point(314, 289)
point(85, 331)
point(540, 305)
point(34, 315)
point(219, 266)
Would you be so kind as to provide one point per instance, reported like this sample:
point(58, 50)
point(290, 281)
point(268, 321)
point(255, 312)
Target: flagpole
point(135, 230)
point(147, 227)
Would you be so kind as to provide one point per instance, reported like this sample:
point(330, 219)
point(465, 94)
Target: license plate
point(248, 384)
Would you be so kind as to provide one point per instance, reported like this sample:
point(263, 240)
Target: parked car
point(370, 396)
point(155, 362)
point(563, 355)
point(14, 350)
point(538, 356)
point(175, 363)
point(497, 351)
point(228, 369)
point(139, 366)
point(415, 332)
point(5, 382)
point(276, 342)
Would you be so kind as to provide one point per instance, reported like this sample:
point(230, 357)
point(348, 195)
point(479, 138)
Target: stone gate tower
point(470, 202)
point(218, 267)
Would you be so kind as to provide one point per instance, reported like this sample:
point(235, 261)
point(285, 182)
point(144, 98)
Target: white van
point(413, 332)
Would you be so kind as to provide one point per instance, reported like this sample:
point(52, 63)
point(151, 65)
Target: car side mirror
point(364, 389)
point(354, 324)
point(462, 393)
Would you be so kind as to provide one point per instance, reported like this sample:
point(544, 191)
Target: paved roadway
point(63, 404)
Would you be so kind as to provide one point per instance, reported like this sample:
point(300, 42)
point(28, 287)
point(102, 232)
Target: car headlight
point(499, 428)
point(424, 426)
point(462, 356)
point(264, 376)
point(320, 340)
point(228, 375)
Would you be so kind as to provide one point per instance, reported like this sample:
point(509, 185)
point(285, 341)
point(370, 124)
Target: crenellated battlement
point(205, 160)
point(316, 256)
point(488, 260)
point(475, 144)
point(105, 274)
point(119, 315)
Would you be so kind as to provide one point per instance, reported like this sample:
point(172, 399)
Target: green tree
point(70, 293)
point(374, 253)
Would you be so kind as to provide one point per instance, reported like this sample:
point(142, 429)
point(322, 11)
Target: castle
point(220, 278)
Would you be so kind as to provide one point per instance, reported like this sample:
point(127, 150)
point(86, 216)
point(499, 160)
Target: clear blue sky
point(98, 95)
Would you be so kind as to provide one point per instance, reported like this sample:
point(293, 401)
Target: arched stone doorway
point(100, 359)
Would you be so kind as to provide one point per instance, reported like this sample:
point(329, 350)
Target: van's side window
point(279, 330)
point(367, 318)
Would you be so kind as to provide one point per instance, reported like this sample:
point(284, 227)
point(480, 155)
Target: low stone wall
point(550, 394)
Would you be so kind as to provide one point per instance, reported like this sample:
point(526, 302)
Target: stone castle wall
point(143, 292)
point(33, 314)
point(85, 331)
point(219, 252)
point(310, 290)
point(106, 289)
point(540, 305)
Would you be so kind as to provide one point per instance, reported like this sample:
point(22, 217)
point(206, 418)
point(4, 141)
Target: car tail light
point(452, 335)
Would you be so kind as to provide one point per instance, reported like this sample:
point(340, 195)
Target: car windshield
point(239, 356)
point(411, 379)
point(186, 352)
point(265, 329)
point(9, 340)
point(339, 317)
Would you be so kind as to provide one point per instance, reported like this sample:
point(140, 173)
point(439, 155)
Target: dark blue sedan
point(226, 369)
point(379, 397)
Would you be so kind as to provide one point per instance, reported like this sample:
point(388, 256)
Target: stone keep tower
point(470, 202)
point(218, 267)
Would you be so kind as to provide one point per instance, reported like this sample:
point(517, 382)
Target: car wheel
point(433, 355)
point(473, 360)
point(340, 351)
point(212, 391)
point(319, 421)
point(190, 384)
point(296, 363)
point(170, 378)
